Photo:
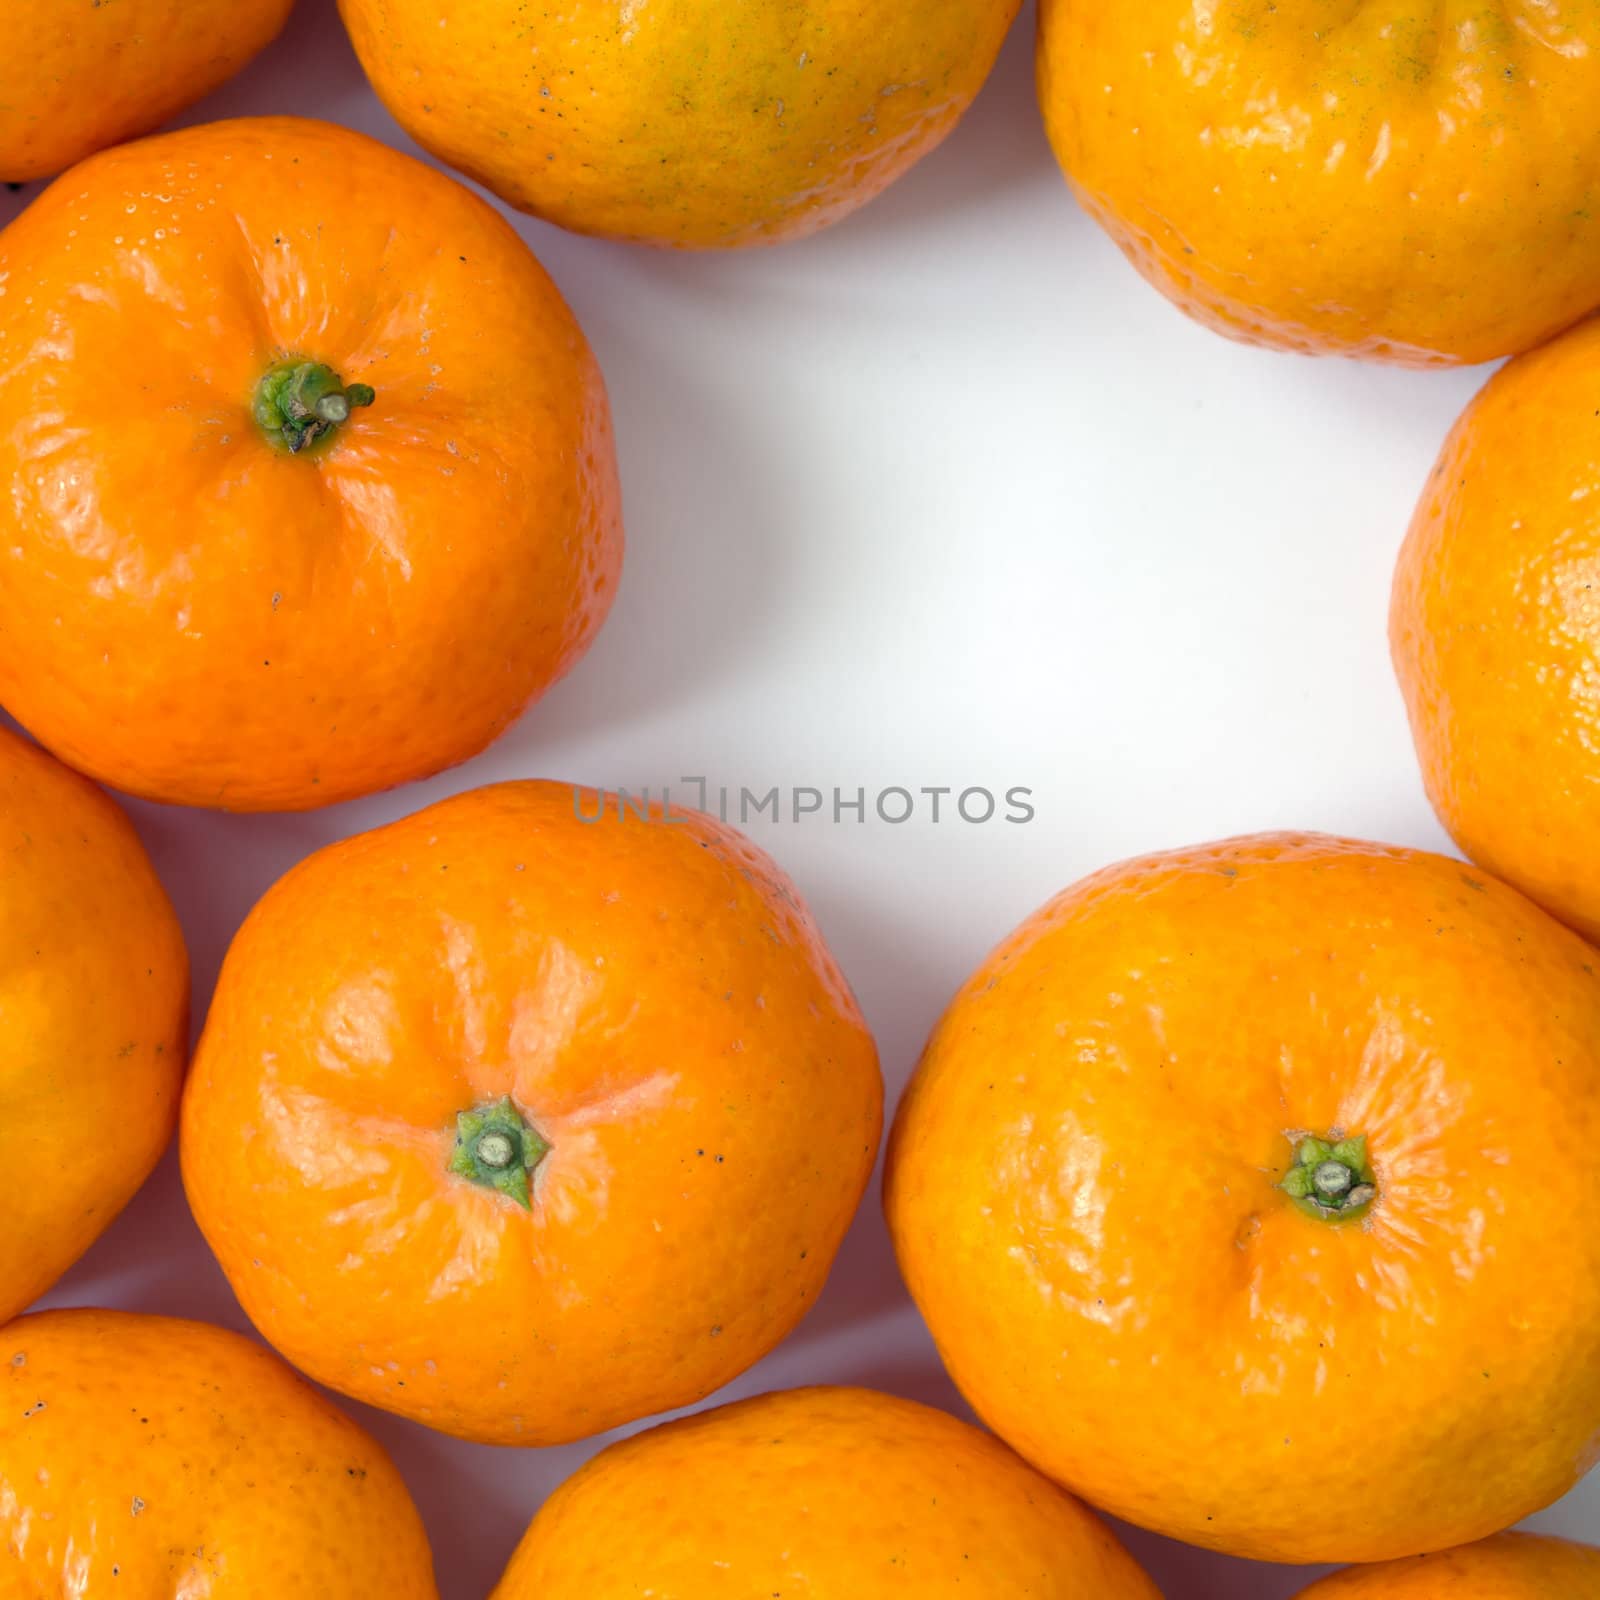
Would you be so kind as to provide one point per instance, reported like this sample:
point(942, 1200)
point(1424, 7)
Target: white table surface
point(945, 496)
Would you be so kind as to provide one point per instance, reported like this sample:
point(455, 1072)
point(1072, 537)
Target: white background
point(944, 496)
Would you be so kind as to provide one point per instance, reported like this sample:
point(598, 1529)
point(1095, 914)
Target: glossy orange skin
point(78, 75)
point(692, 123)
point(1083, 1191)
point(194, 615)
point(1495, 628)
point(1511, 1566)
point(830, 1494)
point(94, 1001)
point(1415, 183)
point(146, 1458)
point(662, 1010)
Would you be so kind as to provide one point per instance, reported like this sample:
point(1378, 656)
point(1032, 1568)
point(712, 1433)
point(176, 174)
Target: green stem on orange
point(498, 1149)
point(299, 404)
point(1331, 1178)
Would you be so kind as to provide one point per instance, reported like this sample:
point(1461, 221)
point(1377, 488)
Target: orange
point(94, 999)
point(1246, 1190)
point(146, 1458)
point(1496, 633)
point(836, 1494)
point(77, 75)
point(1512, 1566)
point(523, 1126)
point(681, 122)
point(1404, 182)
point(306, 475)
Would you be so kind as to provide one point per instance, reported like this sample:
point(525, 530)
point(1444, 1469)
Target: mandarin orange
point(681, 122)
point(1495, 628)
point(831, 1494)
point(78, 75)
point(1377, 178)
point(143, 1458)
point(1246, 1191)
point(94, 999)
point(523, 1126)
point(1510, 1566)
point(307, 485)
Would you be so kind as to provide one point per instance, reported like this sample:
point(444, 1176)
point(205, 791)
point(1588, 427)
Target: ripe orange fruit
point(1511, 1566)
point(94, 999)
point(525, 1127)
point(75, 78)
point(827, 1492)
point(143, 1456)
point(215, 591)
point(1405, 183)
point(698, 123)
point(1496, 633)
point(1246, 1191)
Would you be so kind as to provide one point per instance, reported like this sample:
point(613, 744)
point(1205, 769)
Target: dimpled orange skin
point(145, 1458)
point(691, 123)
point(78, 75)
point(663, 1013)
point(1495, 628)
point(1400, 181)
point(831, 1494)
point(193, 614)
point(94, 1000)
point(1083, 1188)
point(1511, 1566)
